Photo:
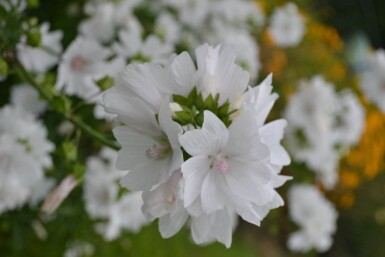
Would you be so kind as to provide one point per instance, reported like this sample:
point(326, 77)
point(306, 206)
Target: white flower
point(243, 43)
point(316, 217)
point(100, 186)
point(166, 203)
point(24, 153)
point(223, 171)
point(372, 82)
point(349, 121)
point(83, 63)
point(167, 28)
point(151, 153)
point(218, 74)
point(18, 173)
point(228, 167)
point(287, 26)
point(133, 46)
point(100, 26)
point(41, 59)
point(23, 127)
point(24, 96)
point(322, 126)
point(124, 214)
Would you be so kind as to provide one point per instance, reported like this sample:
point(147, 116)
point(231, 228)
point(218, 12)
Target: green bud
point(184, 117)
point(33, 21)
point(79, 171)
point(3, 68)
point(33, 3)
point(34, 38)
point(141, 58)
point(69, 151)
point(61, 104)
point(105, 83)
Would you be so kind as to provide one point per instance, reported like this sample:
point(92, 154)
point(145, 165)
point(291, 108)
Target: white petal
point(134, 146)
point(142, 80)
point(208, 140)
point(145, 175)
point(247, 181)
point(170, 224)
point(183, 71)
point(244, 142)
point(271, 135)
point(194, 172)
point(213, 194)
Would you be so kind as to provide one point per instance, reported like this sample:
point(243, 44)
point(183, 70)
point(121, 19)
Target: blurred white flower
point(42, 58)
point(101, 195)
point(287, 26)
point(24, 96)
point(315, 216)
point(372, 81)
point(24, 153)
point(323, 125)
point(84, 63)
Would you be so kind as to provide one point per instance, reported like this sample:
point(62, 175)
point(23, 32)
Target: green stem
point(69, 116)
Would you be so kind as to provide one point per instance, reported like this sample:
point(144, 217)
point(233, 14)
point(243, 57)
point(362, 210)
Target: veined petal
point(271, 135)
point(170, 224)
point(170, 127)
point(134, 146)
point(247, 181)
point(213, 194)
point(194, 172)
point(142, 80)
point(208, 140)
point(145, 175)
point(244, 142)
point(130, 110)
point(184, 73)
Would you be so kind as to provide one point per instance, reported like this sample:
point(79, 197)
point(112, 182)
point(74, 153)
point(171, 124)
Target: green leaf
point(33, 3)
point(69, 151)
point(199, 102)
point(3, 67)
point(191, 97)
point(210, 104)
point(61, 104)
point(199, 119)
point(105, 83)
point(222, 111)
point(79, 171)
point(181, 100)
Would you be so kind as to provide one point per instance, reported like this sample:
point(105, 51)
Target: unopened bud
point(57, 196)
point(175, 107)
point(34, 38)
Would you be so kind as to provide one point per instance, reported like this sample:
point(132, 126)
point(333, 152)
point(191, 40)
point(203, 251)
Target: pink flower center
point(222, 166)
point(157, 151)
point(77, 63)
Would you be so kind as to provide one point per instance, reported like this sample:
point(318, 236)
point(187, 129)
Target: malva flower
point(194, 140)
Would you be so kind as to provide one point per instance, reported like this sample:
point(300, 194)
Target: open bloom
point(316, 217)
point(194, 140)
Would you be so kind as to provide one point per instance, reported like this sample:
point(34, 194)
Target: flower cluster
point(323, 124)
point(316, 217)
point(24, 154)
point(194, 140)
point(101, 197)
point(373, 79)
